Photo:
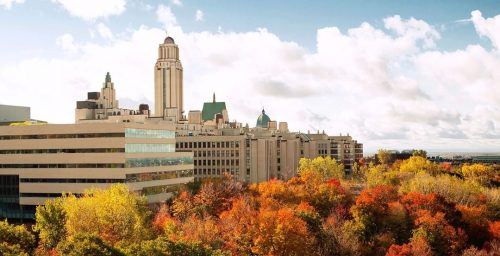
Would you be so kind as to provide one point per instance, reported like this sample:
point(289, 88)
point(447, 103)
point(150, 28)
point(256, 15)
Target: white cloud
point(165, 16)
point(66, 42)
point(92, 9)
point(176, 2)
point(104, 31)
point(384, 86)
point(199, 15)
point(7, 4)
point(489, 27)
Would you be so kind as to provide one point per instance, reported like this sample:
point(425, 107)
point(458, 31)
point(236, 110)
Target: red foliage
point(417, 247)
point(494, 228)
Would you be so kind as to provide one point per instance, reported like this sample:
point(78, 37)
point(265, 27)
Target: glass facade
point(149, 134)
point(149, 148)
point(147, 162)
point(160, 189)
point(164, 175)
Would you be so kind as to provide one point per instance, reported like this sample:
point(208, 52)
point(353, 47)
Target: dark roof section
point(169, 40)
point(210, 109)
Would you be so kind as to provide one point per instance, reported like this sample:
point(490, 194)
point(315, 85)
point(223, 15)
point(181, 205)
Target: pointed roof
point(210, 109)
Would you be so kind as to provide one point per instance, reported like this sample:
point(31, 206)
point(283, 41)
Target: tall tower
point(168, 81)
point(108, 96)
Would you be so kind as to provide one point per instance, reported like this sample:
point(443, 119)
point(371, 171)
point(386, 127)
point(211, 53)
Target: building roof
point(263, 120)
point(210, 109)
point(169, 40)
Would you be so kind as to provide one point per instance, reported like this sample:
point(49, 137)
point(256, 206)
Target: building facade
point(252, 154)
point(9, 114)
point(42, 162)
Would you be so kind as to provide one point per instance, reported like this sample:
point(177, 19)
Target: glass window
point(145, 133)
point(145, 162)
point(149, 148)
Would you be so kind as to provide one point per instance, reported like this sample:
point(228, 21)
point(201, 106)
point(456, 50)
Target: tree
point(326, 167)
point(86, 244)
point(384, 156)
point(50, 223)
point(441, 236)
point(281, 232)
point(417, 164)
point(480, 173)
point(15, 239)
point(420, 152)
point(115, 215)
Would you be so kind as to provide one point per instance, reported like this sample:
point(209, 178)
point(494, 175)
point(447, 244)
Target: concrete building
point(103, 107)
point(268, 150)
point(44, 161)
point(152, 154)
point(9, 114)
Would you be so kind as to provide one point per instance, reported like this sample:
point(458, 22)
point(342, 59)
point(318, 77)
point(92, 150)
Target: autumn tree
point(15, 240)
point(115, 215)
point(326, 167)
point(480, 173)
point(384, 156)
point(51, 223)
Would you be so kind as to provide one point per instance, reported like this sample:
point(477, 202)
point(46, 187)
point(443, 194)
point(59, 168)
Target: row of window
point(217, 153)
point(146, 162)
point(163, 175)
point(160, 189)
point(149, 148)
point(45, 195)
point(61, 136)
point(57, 151)
point(149, 134)
point(217, 162)
point(208, 144)
point(129, 148)
point(215, 171)
point(49, 180)
point(62, 165)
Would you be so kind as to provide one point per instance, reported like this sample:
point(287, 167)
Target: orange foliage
point(494, 228)
point(417, 247)
point(444, 238)
point(281, 233)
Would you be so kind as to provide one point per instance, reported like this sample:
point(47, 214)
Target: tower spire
point(214, 97)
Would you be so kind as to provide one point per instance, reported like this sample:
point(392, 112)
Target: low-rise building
point(43, 161)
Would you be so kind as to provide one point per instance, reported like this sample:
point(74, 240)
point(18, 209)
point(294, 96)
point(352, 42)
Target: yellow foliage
point(115, 214)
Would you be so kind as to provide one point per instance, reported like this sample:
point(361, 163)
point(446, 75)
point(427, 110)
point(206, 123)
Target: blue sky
point(394, 74)
point(294, 21)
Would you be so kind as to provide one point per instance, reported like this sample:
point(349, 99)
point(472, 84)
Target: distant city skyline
point(393, 75)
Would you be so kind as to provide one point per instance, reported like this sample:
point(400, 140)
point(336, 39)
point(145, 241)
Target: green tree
point(50, 223)
point(86, 244)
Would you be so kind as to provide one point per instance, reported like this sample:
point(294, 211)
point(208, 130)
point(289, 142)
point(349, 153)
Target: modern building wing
point(9, 114)
point(44, 161)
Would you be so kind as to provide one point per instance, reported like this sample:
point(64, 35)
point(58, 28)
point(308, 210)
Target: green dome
point(263, 120)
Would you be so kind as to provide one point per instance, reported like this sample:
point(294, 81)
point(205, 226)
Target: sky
point(392, 74)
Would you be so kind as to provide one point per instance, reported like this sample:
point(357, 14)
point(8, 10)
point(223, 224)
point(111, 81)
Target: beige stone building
point(152, 154)
point(252, 154)
point(43, 161)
